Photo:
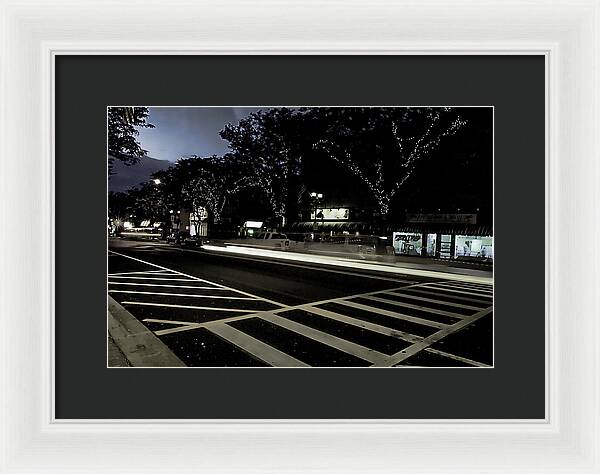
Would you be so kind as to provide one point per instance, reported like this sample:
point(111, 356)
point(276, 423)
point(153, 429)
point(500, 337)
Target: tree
point(381, 146)
point(268, 144)
point(122, 133)
point(211, 181)
point(149, 201)
point(120, 207)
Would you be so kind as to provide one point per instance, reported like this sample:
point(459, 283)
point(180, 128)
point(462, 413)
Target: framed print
point(251, 205)
point(526, 400)
point(236, 306)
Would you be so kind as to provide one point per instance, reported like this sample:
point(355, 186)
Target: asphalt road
point(219, 310)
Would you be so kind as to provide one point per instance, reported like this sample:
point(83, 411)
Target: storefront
point(445, 236)
point(474, 246)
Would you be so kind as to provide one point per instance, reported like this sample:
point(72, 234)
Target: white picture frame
point(567, 33)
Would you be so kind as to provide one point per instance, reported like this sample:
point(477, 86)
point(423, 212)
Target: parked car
point(271, 239)
point(178, 237)
point(192, 241)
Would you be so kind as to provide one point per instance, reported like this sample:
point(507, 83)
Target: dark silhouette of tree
point(214, 180)
point(149, 201)
point(123, 123)
point(268, 143)
point(195, 183)
point(381, 146)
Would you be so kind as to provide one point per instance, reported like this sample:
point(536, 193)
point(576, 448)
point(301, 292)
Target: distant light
point(171, 211)
point(313, 195)
point(253, 224)
point(320, 196)
point(156, 181)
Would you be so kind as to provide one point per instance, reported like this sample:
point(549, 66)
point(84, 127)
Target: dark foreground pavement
point(217, 310)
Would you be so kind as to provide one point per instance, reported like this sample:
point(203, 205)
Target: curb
point(138, 344)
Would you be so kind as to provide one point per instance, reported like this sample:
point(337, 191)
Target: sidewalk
point(115, 357)
point(131, 344)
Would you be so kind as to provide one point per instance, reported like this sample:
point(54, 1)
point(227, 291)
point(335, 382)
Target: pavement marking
point(478, 286)
point(216, 288)
point(148, 278)
point(430, 292)
point(340, 298)
point(435, 337)
point(256, 348)
point(465, 292)
point(460, 286)
point(414, 306)
point(147, 272)
point(431, 300)
point(364, 324)
point(198, 279)
point(455, 357)
point(362, 352)
point(304, 306)
point(185, 294)
point(143, 303)
point(168, 321)
point(206, 324)
point(384, 312)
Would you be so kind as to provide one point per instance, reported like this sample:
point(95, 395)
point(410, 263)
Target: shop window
point(445, 245)
point(406, 243)
point(431, 241)
point(474, 246)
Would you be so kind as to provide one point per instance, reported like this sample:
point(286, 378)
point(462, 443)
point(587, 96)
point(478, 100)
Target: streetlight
point(316, 198)
point(156, 181)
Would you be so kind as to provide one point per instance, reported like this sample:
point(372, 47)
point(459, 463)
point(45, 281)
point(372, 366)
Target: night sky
point(181, 131)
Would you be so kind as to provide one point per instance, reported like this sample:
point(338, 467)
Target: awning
point(335, 226)
point(457, 229)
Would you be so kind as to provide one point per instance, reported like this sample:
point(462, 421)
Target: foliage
point(381, 146)
point(269, 144)
point(123, 123)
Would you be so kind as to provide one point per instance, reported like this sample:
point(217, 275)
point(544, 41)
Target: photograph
point(299, 236)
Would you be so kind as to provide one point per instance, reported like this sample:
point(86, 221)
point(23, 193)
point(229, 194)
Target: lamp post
point(316, 198)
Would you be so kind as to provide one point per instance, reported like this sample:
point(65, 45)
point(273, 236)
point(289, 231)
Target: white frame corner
point(566, 32)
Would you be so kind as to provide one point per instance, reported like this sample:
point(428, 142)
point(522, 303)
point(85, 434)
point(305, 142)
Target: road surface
point(214, 309)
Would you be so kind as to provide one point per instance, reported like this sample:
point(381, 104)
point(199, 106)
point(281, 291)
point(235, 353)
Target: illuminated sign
point(331, 214)
point(253, 224)
point(200, 215)
point(407, 243)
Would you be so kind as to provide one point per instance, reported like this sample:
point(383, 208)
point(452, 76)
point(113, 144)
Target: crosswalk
point(402, 326)
point(160, 292)
point(408, 314)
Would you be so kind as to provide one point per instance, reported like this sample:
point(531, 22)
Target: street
point(214, 309)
